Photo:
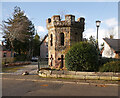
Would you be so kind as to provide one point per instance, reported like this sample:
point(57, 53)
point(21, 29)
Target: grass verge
point(11, 69)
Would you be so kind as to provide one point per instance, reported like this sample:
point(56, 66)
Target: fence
point(7, 60)
point(43, 63)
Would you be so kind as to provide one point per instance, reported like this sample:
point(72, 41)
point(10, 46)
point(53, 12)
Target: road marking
point(44, 85)
point(65, 82)
point(6, 73)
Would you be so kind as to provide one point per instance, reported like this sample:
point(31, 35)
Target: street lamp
point(97, 25)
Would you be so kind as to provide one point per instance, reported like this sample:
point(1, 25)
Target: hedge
point(113, 66)
point(82, 56)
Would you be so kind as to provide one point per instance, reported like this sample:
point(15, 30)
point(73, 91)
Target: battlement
point(69, 21)
point(55, 18)
point(69, 18)
point(81, 19)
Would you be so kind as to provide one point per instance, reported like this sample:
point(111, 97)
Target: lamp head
point(98, 23)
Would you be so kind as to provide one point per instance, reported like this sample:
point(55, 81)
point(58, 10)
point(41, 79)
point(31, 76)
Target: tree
point(36, 45)
point(92, 41)
point(82, 56)
point(111, 33)
point(102, 46)
point(19, 32)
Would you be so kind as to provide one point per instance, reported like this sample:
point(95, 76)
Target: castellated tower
point(61, 35)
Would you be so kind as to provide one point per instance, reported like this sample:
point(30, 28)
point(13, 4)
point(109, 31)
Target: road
point(15, 85)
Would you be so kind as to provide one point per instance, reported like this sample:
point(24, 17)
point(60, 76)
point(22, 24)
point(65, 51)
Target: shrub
point(104, 60)
point(113, 66)
point(21, 57)
point(82, 56)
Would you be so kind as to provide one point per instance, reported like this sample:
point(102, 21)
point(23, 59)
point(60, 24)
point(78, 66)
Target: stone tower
point(61, 35)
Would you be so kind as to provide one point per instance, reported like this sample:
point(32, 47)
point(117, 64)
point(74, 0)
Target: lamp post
point(97, 25)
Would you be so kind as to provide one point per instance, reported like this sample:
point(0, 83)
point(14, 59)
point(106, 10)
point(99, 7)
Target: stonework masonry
point(61, 35)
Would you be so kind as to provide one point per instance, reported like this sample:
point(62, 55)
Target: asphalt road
point(17, 87)
point(14, 84)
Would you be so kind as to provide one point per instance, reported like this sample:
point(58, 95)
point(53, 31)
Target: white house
point(44, 47)
point(0, 54)
point(111, 48)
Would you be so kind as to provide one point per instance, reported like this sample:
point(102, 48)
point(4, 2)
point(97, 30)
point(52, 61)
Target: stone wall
point(80, 75)
point(72, 31)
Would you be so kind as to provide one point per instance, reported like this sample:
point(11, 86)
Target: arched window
point(62, 38)
point(51, 39)
point(51, 60)
point(76, 37)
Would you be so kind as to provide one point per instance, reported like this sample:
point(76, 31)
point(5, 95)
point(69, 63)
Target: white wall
point(44, 49)
point(119, 35)
point(108, 52)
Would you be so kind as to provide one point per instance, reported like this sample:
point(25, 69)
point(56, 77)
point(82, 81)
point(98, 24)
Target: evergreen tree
point(19, 32)
point(36, 46)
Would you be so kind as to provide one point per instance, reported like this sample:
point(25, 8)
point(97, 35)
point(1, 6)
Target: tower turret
point(69, 18)
point(55, 18)
point(61, 35)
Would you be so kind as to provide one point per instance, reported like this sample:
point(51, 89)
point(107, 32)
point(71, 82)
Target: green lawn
point(11, 69)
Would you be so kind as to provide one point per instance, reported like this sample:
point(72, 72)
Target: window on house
point(51, 41)
point(46, 44)
point(5, 54)
point(62, 38)
point(46, 55)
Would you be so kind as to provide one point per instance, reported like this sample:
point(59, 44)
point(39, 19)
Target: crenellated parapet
point(55, 21)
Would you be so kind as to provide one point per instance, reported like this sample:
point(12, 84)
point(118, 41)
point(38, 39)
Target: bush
point(104, 60)
point(82, 56)
point(21, 57)
point(113, 66)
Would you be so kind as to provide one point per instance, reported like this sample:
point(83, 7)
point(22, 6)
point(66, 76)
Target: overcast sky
point(38, 12)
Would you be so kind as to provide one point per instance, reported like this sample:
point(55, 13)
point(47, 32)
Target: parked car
point(34, 59)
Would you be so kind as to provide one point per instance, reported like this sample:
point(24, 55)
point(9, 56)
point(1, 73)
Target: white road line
point(66, 82)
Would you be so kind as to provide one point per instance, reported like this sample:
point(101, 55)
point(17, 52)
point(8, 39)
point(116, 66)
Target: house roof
point(113, 43)
point(44, 38)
